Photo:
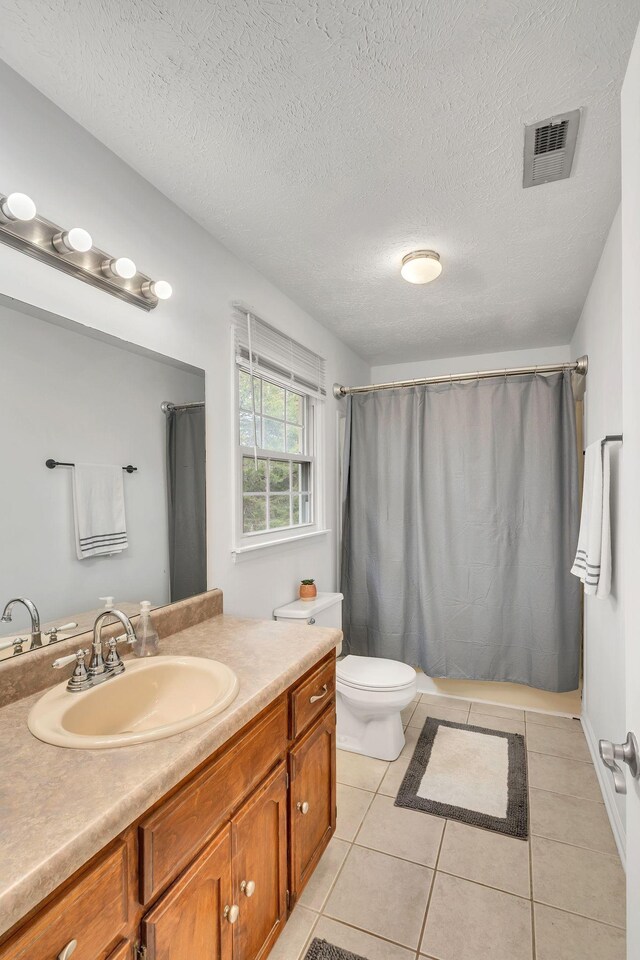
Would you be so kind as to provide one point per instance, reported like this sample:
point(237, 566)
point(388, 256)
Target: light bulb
point(75, 240)
point(121, 267)
point(421, 266)
point(18, 206)
point(160, 289)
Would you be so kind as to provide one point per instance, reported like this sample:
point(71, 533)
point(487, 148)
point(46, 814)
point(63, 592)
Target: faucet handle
point(113, 660)
point(80, 679)
point(13, 642)
point(53, 632)
point(63, 661)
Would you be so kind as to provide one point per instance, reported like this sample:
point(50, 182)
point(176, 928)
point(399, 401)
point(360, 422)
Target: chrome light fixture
point(421, 266)
point(72, 251)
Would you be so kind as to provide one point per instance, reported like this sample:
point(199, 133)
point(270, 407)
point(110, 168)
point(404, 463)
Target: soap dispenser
point(146, 644)
point(109, 604)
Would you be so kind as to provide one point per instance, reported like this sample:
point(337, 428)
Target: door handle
point(627, 752)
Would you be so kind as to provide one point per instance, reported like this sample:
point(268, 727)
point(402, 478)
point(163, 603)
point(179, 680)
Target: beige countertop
point(59, 807)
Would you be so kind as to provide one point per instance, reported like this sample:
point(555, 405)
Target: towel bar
point(60, 463)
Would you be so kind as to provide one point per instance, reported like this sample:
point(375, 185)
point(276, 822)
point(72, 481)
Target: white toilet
point(371, 692)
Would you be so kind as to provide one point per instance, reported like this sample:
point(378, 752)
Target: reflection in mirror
point(83, 534)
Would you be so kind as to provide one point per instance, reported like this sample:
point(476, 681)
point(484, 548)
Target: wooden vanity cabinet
point(93, 910)
point(124, 951)
point(312, 800)
point(189, 919)
point(259, 868)
point(212, 870)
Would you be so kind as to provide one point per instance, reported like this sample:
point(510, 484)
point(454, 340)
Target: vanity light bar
point(72, 251)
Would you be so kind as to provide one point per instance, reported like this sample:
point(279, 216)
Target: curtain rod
point(580, 366)
point(166, 406)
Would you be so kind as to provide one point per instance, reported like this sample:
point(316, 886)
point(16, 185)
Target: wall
point(483, 361)
point(598, 334)
point(75, 180)
point(63, 392)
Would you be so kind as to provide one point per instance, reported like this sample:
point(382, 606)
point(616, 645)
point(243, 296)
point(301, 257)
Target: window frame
point(245, 542)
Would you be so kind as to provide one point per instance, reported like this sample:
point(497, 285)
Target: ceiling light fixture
point(17, 206)
point(421, 266)
point(160, 289)
point(75, 240)
point(121, 267)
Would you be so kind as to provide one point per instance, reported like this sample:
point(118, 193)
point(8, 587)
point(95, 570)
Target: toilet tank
point(324, 611)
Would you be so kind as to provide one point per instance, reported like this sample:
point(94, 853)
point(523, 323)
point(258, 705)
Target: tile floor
point(397, 884)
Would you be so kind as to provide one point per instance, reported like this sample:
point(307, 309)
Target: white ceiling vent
point(549, 146)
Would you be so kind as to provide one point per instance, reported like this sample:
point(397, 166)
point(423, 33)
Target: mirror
point(88, 402)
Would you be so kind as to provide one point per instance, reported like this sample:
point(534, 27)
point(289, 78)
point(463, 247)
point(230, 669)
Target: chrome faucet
point(36, 636)
point(99, 669)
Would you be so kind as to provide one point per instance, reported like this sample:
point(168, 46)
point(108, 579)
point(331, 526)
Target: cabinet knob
point(303, 806)
point(68, 950)
point(248, 887)
point(231, 913)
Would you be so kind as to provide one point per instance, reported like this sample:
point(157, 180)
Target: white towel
point(593, 556)
point(98, 507)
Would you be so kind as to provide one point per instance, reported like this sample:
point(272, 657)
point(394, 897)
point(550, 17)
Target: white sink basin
point(152, 699)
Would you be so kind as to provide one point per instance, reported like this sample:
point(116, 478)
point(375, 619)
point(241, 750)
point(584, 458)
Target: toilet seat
point(375, 674)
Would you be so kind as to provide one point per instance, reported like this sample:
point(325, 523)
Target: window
point(277, 470)
point(279, 389)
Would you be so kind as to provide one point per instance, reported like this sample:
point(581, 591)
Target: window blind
point(272, 352)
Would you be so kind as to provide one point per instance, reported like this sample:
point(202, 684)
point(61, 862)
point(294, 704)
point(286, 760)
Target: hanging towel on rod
point(98, 507)
point(593, 556)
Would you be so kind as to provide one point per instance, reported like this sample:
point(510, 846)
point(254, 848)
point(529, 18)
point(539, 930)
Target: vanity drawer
point(93, 910)
point(312, 695)
point(172, 835)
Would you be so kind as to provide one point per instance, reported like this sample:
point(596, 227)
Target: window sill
point(245, 553)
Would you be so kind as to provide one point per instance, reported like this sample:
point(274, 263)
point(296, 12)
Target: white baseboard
point(608, 793)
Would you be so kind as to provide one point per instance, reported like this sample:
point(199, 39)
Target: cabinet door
point(259, 843)
point(312, 799)
point(122, 951)
point(189, 921)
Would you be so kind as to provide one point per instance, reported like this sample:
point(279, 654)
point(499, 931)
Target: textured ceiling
point(320, 141)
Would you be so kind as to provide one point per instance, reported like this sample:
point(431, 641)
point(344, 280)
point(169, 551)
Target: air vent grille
point(549, 147)
point(553, 136)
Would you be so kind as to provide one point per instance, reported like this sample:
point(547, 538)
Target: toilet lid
point(374, 673)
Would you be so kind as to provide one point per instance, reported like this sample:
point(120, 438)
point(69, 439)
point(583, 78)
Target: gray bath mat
point(323, 950)
point(471, 774)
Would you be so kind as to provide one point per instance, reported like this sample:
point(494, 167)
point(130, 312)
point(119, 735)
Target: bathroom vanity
point(213, 865)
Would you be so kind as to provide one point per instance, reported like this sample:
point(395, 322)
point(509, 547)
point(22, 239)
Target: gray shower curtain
point(186, 496)
point(460, 506)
